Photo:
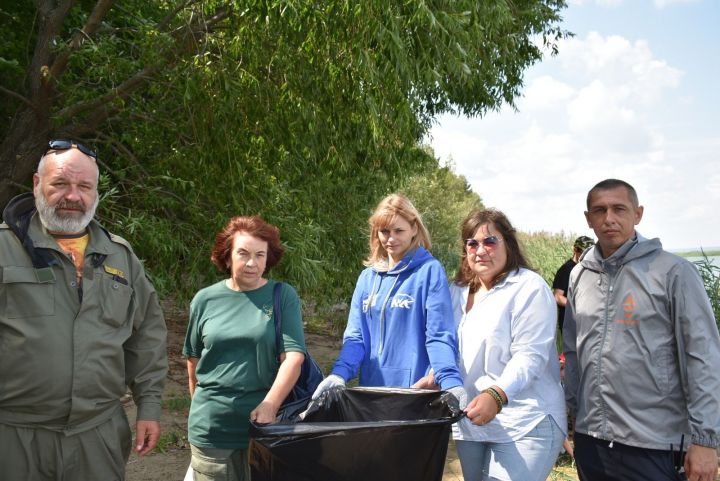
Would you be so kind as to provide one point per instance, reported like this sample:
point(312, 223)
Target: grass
point(564, 469)
point(546, 252)
point(699, 253)
point(710, 274)
point(177, 403)
point(171, 440)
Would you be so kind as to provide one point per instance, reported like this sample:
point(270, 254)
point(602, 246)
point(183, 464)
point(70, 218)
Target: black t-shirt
point(562, 281)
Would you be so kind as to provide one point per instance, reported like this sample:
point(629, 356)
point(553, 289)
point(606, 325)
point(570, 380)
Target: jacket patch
point(114, 271)
point(404, 301)
point(628, 311)
point(117, 274)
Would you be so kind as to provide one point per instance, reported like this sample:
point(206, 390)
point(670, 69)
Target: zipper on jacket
point(382, 316)
point(598, 374)
point(600, 380)
point(396, 275)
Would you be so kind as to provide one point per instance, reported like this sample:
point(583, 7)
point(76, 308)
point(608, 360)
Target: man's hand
point(147, 434)
point(701, 463)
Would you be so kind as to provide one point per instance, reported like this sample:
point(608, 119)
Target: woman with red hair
point(233, 370)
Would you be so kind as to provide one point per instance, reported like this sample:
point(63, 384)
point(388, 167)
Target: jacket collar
point(634, 248)
point(410, 261)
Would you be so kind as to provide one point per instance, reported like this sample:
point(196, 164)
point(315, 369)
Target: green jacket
point(67, 356)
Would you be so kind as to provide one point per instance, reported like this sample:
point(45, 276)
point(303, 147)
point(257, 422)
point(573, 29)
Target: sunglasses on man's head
point(62, 144)
point(489, 242)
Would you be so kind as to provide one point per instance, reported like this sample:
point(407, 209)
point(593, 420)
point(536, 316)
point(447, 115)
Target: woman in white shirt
point(506, 314)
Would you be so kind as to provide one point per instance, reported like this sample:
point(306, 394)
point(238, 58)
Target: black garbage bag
point(376, 434)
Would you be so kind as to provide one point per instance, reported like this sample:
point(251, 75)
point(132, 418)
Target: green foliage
point(546, 251)
point(710, 273)
point(444, 199)
point(306, 113)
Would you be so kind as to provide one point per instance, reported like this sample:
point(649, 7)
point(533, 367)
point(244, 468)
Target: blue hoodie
point(401, 324)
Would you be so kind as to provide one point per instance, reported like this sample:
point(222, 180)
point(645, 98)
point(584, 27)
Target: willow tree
point(304, 112)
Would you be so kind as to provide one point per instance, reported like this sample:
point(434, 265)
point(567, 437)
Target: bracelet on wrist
point(496, 396)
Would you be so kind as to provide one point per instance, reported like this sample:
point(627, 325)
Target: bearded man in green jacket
point(79, 324)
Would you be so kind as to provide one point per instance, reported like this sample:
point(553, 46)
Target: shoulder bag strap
point(277, 317)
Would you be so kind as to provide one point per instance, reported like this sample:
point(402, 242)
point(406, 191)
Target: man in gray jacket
point(642, 353)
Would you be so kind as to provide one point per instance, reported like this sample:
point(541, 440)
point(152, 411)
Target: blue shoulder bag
point(310, 373)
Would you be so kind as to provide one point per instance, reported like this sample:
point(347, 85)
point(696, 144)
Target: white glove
point(460, 394)
point(329, 382)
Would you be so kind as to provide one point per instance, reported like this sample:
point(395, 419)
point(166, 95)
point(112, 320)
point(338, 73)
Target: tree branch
point(51, 19)
point(121, 91)
point(93, 22)
point(23, 99)
point(131, 84)
point(172, 14)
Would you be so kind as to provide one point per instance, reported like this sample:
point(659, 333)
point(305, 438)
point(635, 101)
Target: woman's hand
point(264, 413)
point(426, 382)
point(329, 382)
point(482, 409)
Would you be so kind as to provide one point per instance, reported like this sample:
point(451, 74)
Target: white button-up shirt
point(508, 340)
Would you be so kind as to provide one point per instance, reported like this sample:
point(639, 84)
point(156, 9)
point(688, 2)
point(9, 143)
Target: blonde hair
point(386, 212)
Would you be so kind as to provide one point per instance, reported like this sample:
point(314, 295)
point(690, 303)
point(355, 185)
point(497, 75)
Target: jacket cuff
point(450, 382)
point(343, 372)
point(148, 411)
point(707, 441)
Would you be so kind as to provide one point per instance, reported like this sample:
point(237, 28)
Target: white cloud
point(616, 61)
point(600, 113)
point(545, 92)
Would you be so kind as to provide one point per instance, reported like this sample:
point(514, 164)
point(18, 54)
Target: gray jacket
point(642, 349)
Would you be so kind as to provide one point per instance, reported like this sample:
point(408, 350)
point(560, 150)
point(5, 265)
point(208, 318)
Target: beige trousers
point(214, 464)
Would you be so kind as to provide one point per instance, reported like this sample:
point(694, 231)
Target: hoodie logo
point(404, 301)
point(369, 302)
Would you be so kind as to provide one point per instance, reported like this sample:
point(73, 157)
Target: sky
point(634, 95)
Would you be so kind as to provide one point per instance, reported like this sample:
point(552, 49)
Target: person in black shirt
point(562, 276)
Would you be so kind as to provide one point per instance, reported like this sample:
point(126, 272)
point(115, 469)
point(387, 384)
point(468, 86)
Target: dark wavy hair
point(515, 257)
point(251, 225)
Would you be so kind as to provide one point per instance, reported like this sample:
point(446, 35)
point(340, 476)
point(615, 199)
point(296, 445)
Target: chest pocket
point(116, 301)
point(28, 292)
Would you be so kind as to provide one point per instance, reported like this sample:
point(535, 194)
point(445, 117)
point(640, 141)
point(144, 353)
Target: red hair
point(251, 225)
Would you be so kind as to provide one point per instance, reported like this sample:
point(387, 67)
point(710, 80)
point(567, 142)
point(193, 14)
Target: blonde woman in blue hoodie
point(400, 331)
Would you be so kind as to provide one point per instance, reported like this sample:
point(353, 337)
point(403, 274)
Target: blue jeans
point(528, 459)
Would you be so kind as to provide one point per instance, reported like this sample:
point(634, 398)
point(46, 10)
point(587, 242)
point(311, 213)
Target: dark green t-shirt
point(233, 335)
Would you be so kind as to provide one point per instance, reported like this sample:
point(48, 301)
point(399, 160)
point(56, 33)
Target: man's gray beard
point(61, 225)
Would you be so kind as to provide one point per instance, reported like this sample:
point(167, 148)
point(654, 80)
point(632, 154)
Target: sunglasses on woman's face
point(490, 242)
point(62, 144)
